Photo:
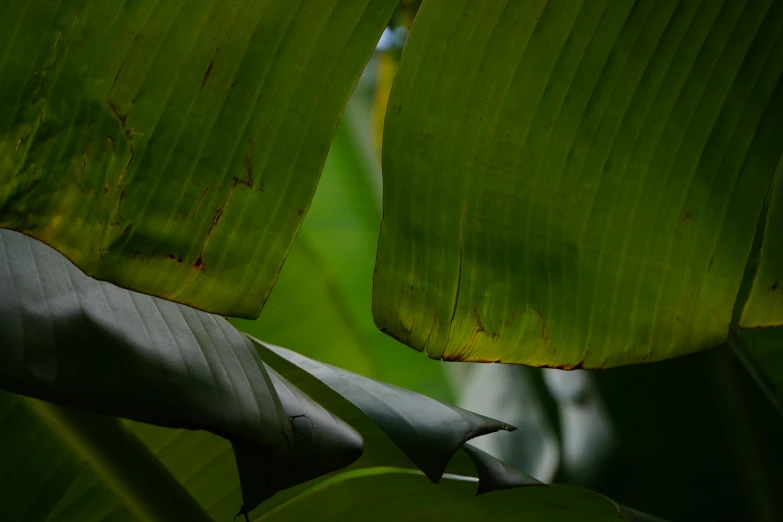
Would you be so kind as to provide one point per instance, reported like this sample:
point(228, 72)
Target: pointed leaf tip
point(495, 474)
point(427, 431)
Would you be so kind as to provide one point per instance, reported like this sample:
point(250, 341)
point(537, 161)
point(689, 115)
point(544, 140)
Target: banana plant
point(566, 184)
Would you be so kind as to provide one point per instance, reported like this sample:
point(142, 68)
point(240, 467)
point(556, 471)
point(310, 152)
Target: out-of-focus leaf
point(70, 339)
point(173, 147)
point(761, 350)
point(587, 436)
point(202, 462)
point(695, 440)
point(382, 494)
point(64, 465)
point(576, 184)
point(508, 392)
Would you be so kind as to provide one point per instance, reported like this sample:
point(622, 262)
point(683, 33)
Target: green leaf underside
point(135, 137)
point(591, 205)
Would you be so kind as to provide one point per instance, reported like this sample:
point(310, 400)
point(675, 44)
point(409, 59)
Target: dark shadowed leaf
point(494, 474)
point(322, 443)
point(68, 466)
point(427, 431)
point(88, 344)
point(76, 341)
point(761, 350)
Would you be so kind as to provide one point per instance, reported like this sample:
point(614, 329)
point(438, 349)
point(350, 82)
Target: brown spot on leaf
point(179, 259)
point(116, 76)
point(199, 262)
point(247, 164)
point(299, 212)
point(774, 286)
point(509, 321)
point(479, 325)
point(130, 160)
point(172, 256)
point(127, 229)
point(114, 108)
point(206, 74)
point(216, 220)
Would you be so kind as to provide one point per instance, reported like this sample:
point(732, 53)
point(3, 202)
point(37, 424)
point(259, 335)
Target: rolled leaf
point(88, 344)
point(427, 431)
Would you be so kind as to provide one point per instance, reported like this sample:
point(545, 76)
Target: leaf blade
point(169, 365)
point(594, 206)
point(136, 137)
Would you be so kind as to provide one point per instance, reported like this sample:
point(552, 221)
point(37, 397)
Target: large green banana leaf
point(577, 183)
point(173, 147)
